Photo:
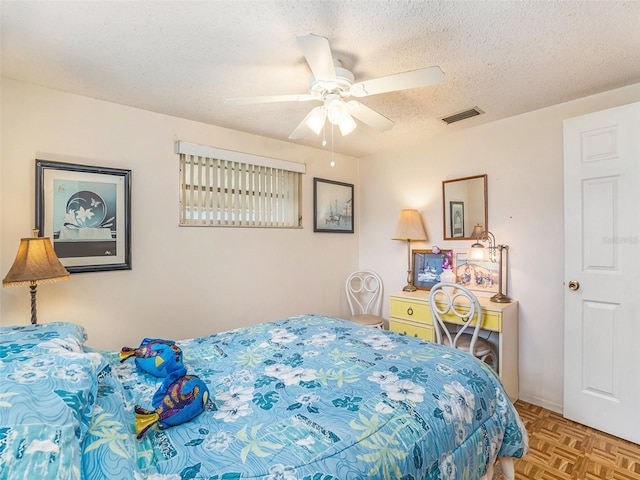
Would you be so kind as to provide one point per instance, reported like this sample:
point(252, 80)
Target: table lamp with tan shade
point(410, 228)
point(36, 263)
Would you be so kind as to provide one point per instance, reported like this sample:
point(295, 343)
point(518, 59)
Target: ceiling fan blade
point(369, 116)
point(399, 81)
point(303, 127)
point(317, 51)
point(303, 97)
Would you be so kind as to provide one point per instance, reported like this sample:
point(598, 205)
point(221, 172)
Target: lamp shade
point(477, 231)
point(35, 263)
point(347, 124)
point(316, 118)
point(336, 109)
point(410, 226)
point(477, 253)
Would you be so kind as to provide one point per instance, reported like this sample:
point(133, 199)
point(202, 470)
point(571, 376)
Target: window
point(226, 188)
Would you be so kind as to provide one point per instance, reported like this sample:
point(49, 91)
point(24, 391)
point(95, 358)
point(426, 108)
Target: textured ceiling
point(184, 58)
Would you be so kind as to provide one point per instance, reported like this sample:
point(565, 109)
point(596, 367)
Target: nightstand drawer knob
point(409, 311)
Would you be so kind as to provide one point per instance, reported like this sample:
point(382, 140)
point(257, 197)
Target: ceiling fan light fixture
point(347, 124)
point(315, 121)
point(332, 84)
point(336, 109)
point(338, 114)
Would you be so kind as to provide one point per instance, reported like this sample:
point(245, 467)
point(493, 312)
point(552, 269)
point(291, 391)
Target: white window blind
point(225, 188)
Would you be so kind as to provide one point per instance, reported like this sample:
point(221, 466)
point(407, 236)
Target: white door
point(602, 254)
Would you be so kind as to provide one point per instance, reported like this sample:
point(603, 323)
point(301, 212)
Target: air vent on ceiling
point(475, 111)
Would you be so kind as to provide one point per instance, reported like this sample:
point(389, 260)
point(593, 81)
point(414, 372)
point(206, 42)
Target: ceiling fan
point(331, 84)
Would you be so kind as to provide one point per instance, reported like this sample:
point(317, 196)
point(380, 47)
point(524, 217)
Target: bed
point(303, 398)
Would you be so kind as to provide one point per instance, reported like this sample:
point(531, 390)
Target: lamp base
point(32, 288)
point(500, 298)
point(409, 288)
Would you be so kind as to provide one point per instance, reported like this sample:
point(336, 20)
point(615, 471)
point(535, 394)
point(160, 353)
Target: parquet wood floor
point(560, 449)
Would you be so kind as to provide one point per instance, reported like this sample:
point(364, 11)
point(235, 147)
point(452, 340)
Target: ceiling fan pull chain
point(333, 163)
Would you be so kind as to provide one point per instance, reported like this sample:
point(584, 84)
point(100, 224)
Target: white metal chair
point(364, 293)
point(453, 302)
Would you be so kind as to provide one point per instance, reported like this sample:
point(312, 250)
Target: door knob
point(574, 285)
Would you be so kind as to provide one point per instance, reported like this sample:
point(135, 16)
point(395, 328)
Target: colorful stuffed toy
point(176, 401)
point(157, 357)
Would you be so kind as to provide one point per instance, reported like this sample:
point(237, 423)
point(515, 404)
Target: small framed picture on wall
point(332, 206)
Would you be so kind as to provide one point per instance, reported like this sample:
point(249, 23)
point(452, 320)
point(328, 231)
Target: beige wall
point(185, 281)
point(191, 281)
point(523, 158)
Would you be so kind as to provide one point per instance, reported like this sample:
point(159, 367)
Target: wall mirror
point(464, 205)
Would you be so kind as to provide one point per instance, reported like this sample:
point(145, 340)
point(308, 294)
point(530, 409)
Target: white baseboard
point(541, 402)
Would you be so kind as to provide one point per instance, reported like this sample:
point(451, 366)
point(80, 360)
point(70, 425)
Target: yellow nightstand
point(410, 314)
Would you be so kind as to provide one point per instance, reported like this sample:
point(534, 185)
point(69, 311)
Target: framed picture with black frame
point(86, 211)
point(456, 210)
point(333, 207)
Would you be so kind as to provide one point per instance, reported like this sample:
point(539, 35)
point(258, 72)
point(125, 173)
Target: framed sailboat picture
point(332, 206)
point(427, 267)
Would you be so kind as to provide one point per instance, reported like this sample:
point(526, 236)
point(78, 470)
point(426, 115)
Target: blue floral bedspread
point(304, 398)
point(313, 398)
point(48, 388)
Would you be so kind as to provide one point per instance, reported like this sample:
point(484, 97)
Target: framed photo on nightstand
point(427, 267)
point(479, 276)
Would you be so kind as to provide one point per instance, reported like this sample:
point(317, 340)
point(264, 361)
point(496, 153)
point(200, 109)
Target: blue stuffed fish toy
point(156, 356)
point(176, 401)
